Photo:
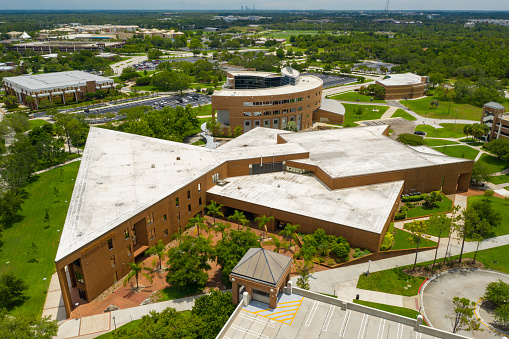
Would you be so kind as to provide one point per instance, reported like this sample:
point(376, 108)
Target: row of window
point(273, 102)
point(284, 111)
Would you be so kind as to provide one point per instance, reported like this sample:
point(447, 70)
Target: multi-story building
point(132, 191)
point(404, 86)
point(60, 87)
point(271, 100)
point(494, 116)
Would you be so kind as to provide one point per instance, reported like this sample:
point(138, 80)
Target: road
point(119, 66)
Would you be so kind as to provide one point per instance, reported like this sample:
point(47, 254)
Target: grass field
point(447, 131)
point(473, 142)
point(170, 293)
point(406, 312)
point(356, 96)
point(18, 237)
point(501, 206)
point(439, 142)
point(402, 114)
point(401, 241)
point(391, 281)
point(423, 107)
point(461, 151)
point(495, 164)
point(367, 112)
point(203, 110)
point(499, 179)
point(443, 206)
point(288, 33)
point(32, 123)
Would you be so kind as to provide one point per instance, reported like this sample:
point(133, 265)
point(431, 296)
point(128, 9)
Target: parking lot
point(150, 65)
point(332, 80)
point(315, 319)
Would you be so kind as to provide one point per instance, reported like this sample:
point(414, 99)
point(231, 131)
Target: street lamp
point(78, 306)
point(369, 266)
point(46, 284)
point(456, 116)
point(114, 323)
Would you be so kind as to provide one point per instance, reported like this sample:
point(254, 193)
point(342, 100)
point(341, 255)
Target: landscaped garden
point(500, 205)
point(423, 205)
point(405, 312)
point(355, 113)
point(439, 142)
point(460, 151)
point(356, 96)
point(424, 108)
point(499, 179)
point(495, 164)
point(447, 131)
point(400, 113)
point(393, 281)
point(401, 241)
point(203, 110)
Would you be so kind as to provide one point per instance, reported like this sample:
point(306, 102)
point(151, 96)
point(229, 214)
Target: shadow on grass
point(171, 293)
point(8, 223)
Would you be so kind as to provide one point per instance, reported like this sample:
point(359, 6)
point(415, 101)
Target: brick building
point(132, 191)
point(404, 86)
point(494, 116)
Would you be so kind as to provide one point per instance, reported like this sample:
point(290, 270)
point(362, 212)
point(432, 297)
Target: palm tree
point(239, 217)
point(198, 221)
point(214, 210)
point(157, 249)
point(289, 231)
point(136, 270)
point(221, 228)
point(277, 243)
point(263, 221)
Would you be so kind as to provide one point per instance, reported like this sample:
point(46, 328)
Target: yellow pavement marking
point(289, 315)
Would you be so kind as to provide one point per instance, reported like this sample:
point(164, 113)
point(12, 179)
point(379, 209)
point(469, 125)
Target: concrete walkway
point(389, 113)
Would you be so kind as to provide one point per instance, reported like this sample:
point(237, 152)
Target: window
point(82, 294)
point(284, 111)
point(115, 277)
point(165, 232)
point(266, 123)
point(129, 250)
point(257, 114)
point(110, 244)
point(177, 202)
point(126, 233)
point(152, 233)
point(300, 108)
point(77, 262)
point(150, 218)
point(164, 217)
point(309, 96)
point(292, 110)
point(188, 194)
point(257, 122)
point(247, 114)
point(178, 216)
point(79, 277)
point(215, 177)
point(112, 260)
point(247, 123)
point(267, 113)
point(199, 201)
point(308, 106)
point(199, 187)
point(275, 112)
point(189, 208)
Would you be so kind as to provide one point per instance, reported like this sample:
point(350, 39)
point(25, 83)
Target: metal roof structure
point(494, 105)
point(262, 266)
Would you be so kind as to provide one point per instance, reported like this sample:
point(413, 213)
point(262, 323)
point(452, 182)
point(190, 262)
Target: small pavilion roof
point(262, 266)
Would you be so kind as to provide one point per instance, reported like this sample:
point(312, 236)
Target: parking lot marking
point(269, 323)
point(328, 318)
point(312, 313)
point(418, 335)
point(345, 324)
point(400, 331)
point(248, 331)
point(283, 314)
point(364, 326)
point(381, 333)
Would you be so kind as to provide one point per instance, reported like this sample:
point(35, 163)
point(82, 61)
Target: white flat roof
point(254, 73)
point(366, 207)
point(51, 80)
point(401, 79)
point(332, 106)
point(306, 83)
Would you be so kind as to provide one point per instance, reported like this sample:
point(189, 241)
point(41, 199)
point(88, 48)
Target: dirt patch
point(425, 271)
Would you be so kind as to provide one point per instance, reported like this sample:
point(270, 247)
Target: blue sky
point(263, 4)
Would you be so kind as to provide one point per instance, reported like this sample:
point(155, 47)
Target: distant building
point(211, 29)
point(58, 87)
point(469, 25)
point(404, 86)
point(46, 47)
point(494, 116)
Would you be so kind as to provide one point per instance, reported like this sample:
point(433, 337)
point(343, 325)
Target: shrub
point(342, 250)
point(413, 198)
point(409, 204)
point(400, 216)
point(411, 139)
point(359, 253)
point(143, 81)
point(387, 242)
point(12, 289)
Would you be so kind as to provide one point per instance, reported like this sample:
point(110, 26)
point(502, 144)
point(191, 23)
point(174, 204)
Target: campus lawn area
point(356, 96)
point(391, 281)
point(494, 163)
point(32, 123)
point(423, 108)
point(502, 207)
point(367, 113)
point(402, 114)
point(448, 131)
point(198, 129)
point(18, 237)
point(499, 179)
point(406, 312)
point(401, 241)
point(149, 88)
point(203, 110)
point(419, 211)
point(461, 151)
point(170, 293)
point(473, 142)
point(288, 33)
point(439, 142)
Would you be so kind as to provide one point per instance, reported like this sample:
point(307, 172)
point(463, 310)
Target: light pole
point(114, 323)
point(369, 266)
point(46, 284)
point(456, 118)
point(78, 306)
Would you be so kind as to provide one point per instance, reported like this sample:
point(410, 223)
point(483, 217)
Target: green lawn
point(499, 179)
point(203, 110)
point(149, 88)
point(473, 142)
point(401, 241)
point(402, 114)
point(439, 142)
point(419, 211)
point(19, 236)
point(356, 96)
point(434, 232)
point(501, 206)
point(494, 163)
point(32, 123)
point(461, 151)
point(198, 143)
point(406, 312)
point(367, 113)
point(130, 325)
point(391, 281)
point(170, 293)
point(448, 131)
point(423, 108)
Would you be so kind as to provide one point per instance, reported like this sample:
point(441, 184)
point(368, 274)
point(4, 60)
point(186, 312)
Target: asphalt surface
point(332, 80)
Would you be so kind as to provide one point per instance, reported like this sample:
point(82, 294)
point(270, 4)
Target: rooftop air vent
point(153, 166)
point(178, 158)
point(118, 204)
point(222, 183)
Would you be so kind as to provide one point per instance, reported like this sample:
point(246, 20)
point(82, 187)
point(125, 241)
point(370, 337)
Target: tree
point(379, 92)
point(188, 262)
point(277, 243)
point(214, 309)
point(136, 271)
point(464, 317)
point(455, 217)
point(499, 147)
point(289, 231)
point(263, 221)
point(19, 164)
point(10, 101)
point(441, 223)
point(24, 326)
point(497, 292)
point(158, 250)
point(34, 250)
point(10, 204)
point(46, 217)
point(304, 270)
point(221, 228)
point(154, 53)
point(198, 221)
point(215, 210)
point(417, 229)
point(12, 289)
point(431, 199)
point(280, 53)
point(481, 171)
point(239, 218)
point(291, 126)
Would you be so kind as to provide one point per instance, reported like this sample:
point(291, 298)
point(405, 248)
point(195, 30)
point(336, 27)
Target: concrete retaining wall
point(230, 321)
